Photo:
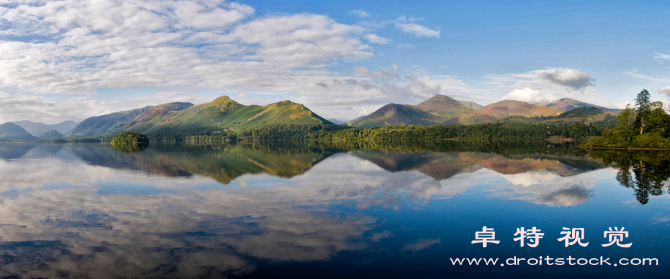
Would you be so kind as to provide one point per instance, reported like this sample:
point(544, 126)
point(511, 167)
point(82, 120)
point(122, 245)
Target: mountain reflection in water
point(220, 211)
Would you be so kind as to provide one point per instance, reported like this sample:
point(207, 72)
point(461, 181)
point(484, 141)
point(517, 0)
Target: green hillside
point(155, 115)
point(224, 113)
point(12, 132)
point(433, 111)
point(112, 123)
point(50, 135)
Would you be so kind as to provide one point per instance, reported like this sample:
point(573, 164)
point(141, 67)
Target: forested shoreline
point(644, 126)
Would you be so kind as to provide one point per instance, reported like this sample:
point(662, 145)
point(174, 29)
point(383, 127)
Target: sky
point(73, 59)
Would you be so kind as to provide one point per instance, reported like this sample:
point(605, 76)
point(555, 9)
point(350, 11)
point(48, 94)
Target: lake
point(314, 211)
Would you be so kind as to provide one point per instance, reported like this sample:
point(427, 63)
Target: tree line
point(646, 125)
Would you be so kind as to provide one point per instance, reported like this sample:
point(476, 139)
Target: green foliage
point(643, 109)
point(646, 126)
point(129, 138)
point(505, 131)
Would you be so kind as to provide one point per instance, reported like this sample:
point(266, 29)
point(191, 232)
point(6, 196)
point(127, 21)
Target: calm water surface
point(180, 211)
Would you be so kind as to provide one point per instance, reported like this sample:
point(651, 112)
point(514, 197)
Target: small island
point(130, 138)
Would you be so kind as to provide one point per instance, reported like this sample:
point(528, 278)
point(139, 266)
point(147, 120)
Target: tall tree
point(643, 110)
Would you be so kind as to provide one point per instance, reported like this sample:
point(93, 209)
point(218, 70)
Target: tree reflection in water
point(646, 172)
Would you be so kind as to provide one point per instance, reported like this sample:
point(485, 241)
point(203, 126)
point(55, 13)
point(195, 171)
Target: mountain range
point(436, 110)
point(225, 114)
point(502, 109)
point(444, 110)
point(222, 113)
point(36, 128)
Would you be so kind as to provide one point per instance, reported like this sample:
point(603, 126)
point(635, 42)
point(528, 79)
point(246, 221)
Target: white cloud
point(417, 30)
point(661, 56)
point(664, 91)
point(530, 96)
point(359, 13)
point(568, 77)
point(185, 46)
point(373, 38)
point(541, 86)
point(407, 26)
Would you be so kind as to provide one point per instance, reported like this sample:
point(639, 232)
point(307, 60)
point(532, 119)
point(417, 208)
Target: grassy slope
point(224, 113)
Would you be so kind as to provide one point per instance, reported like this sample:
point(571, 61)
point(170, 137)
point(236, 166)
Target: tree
point(643, 110)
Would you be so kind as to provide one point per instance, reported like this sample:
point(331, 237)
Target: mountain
point(395, 114)
point(502, 109)
point(444, 107)
point(37, 128)
point(155, 115)
point(224, 113)
point(567, 104)
point(104, 124)
point(471, 105)
point(433, 111)
point(335, 121)
point(12, 132)
point(50, 135)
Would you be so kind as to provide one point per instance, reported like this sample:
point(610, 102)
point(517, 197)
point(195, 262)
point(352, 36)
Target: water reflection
point(221, 211)
point(646, 172)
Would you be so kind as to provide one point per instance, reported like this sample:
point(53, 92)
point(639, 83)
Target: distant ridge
point(36, 128)
point(502, 109)
point(433, 111)
point(567, 104)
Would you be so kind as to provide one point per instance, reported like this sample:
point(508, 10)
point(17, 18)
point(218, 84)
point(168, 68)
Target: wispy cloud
point(407, 26)
point(661, 56)
point(634, 73)
point(372, 38)
point(359, 13)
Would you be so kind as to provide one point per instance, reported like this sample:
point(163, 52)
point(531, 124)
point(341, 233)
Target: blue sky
point(74, 59)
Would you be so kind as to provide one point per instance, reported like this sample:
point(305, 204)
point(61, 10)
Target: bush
point(130, 138)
